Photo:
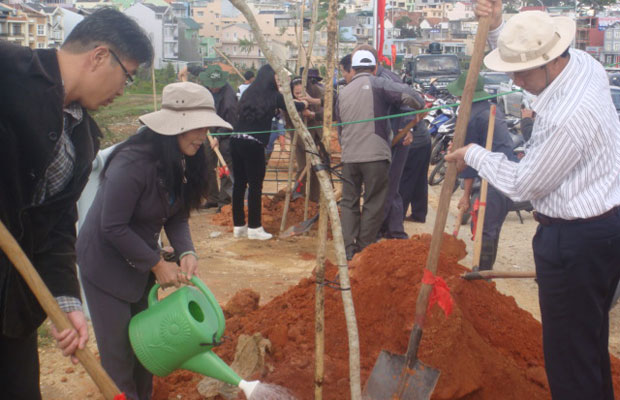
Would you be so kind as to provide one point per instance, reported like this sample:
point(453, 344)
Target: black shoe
point(413, 219)
point(210, 204)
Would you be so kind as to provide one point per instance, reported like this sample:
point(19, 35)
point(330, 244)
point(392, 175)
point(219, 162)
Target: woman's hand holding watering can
point(166, 273)
point(189, 265)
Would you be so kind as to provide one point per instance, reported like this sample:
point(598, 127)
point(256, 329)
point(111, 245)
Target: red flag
point(440, 293)
point(380, 26)
point(393, 54)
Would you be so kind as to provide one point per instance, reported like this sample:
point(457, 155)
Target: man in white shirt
point(249, 78)
point(571, 174)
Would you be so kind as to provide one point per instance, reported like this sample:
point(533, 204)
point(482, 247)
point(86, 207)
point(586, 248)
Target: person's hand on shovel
point(457, 156)
point(69, 340)
point(489, 8)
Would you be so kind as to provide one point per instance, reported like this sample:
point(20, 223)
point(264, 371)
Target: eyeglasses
point(129, 80)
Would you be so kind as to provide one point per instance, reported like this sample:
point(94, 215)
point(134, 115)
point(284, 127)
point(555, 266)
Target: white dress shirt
point(572, 164)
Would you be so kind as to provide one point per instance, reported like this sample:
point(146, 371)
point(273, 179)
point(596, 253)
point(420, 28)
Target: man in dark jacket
point(47, 145)
point(366, 151)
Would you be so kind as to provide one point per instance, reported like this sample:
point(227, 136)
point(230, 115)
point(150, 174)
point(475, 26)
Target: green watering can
point(179, 332)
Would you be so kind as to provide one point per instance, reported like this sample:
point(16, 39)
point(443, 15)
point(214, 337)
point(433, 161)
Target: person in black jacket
point(47, 144)
point(256, 109)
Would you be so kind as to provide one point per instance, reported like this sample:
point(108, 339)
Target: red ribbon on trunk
point(440, 293)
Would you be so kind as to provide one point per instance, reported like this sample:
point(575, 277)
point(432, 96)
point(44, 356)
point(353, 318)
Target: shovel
point(223, 172)
point(490, 274)
point(304, 226)
point(16, 255)
point(405, 376)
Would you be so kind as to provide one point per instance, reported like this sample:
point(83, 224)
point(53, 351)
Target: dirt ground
point(271, 267)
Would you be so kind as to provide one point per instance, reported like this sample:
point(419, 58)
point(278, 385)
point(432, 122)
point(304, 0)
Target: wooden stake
point(218, 51)
point(154, 88)
point(289, 179)
point(308, 183)
point(482, 208)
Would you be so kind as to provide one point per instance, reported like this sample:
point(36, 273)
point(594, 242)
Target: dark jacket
point(263, 122)
point(117, 245)
point(364, 98)
point(31, 120)
point(477, 129)
point(226, 108)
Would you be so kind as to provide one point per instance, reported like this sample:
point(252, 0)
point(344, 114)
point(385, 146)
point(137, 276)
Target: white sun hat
point(530, 39)
point(185, 106)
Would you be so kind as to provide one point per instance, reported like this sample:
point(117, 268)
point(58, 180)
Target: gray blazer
point(117, 245)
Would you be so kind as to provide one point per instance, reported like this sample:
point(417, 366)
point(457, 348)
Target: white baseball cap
point(363, 58)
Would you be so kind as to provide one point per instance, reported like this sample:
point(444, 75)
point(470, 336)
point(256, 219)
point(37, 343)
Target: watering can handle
point(221, 321)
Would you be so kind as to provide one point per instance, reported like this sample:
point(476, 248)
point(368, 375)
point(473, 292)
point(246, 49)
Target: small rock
point(69, 370)
point(213, 235)
point(63, 379)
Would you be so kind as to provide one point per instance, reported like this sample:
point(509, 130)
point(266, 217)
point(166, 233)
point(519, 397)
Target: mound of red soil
point(488, 348)
point(242, 303)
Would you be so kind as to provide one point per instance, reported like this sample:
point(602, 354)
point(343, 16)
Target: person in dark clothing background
point(255, 111)
point(414, 180)
point(497, 204)
point(48, 142)
point(216, 80)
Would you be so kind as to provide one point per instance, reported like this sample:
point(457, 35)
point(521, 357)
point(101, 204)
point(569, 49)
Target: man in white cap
point(571, 174)
point(366, 151)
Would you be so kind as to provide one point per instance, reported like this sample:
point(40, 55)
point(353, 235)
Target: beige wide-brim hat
point(530, 39)
point(185, 106)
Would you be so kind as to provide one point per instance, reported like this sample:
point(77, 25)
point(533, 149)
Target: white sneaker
point(258, 234)
point(240, 231)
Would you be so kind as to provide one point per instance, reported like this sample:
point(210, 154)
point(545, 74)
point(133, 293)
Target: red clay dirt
point(488, 348)
point(272, 210)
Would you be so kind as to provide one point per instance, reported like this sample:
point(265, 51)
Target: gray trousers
point(360, 226)
point(110, 317)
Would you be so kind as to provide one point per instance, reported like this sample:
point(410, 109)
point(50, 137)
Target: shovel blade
point(298, 229)
point(384, 381)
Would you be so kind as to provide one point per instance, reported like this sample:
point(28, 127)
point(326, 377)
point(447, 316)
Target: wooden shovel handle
point(446, 191)
point(457, 223)
point(490, 274)
point(482, 208)
point(407, 128)
point(16, 255)
point(217, 151)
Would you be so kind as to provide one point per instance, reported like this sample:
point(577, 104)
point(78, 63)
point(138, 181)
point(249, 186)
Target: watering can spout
point(209, 364)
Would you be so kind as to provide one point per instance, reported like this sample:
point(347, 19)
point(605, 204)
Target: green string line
point(491, 96)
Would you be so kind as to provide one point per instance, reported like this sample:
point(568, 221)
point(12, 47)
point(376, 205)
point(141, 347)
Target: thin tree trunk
point(313, 24)
point(324, 180)
point(154, 88)
point(287, 196)
point(300, 37)
point(319, 324)
point(308, 183)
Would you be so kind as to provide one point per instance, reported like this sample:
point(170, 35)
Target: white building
point(162, 29)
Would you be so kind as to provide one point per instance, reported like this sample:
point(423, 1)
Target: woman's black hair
point(294, 82)
point(260, 98)
point(172, 167)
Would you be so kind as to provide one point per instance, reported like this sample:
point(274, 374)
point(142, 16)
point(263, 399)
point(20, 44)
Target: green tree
point(402, 22)
point(246, 45)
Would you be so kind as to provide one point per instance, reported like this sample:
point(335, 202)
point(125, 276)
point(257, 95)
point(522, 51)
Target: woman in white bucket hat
point(571, 174)
point(151, 181)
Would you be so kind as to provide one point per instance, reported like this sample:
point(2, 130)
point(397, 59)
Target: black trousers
point(577, 268)
point(249, 170)
point(216, 194)
point(414, 182)
point(19, 368)
point(495, 214)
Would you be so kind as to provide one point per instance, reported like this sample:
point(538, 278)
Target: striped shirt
point(572, 164)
